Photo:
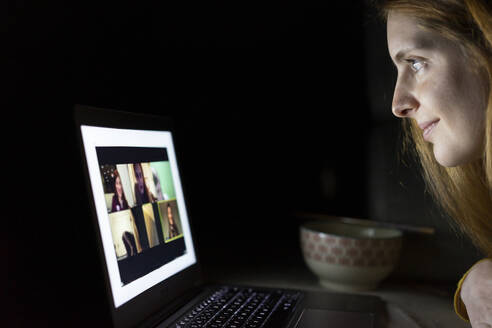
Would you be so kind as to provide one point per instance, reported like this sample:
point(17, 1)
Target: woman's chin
point(448, 158)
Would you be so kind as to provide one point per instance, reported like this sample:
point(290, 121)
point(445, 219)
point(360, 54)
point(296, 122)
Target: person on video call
point(130, 244)
point(157, 182)
point(142, 193)
point(442, 50)
point(173, 227)
point(119, 200)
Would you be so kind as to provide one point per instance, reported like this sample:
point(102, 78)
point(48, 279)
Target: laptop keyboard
point(233, 307)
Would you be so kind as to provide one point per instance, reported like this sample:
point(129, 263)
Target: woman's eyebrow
point(420, 43)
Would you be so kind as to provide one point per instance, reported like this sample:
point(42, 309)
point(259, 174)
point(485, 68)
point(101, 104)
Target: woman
point(142, 193)
point(129, 242)
point(119, 200)
point(173, 227)
point(442, 50)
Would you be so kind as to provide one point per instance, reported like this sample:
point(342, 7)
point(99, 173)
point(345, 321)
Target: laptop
point(147, 246)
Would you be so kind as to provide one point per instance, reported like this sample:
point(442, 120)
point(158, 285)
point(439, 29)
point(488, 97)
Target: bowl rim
point(398, 233)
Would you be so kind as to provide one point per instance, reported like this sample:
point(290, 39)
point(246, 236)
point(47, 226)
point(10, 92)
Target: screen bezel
point(160, 296)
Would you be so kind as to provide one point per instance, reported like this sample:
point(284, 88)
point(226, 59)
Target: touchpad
point(335, 319)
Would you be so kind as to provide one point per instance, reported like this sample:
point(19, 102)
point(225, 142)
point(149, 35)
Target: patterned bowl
point(348, 257)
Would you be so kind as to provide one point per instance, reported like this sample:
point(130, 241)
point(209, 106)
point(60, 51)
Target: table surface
point(408, 305)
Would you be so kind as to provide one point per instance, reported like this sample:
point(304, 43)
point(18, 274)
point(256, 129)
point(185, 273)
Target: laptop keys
point(234, 308)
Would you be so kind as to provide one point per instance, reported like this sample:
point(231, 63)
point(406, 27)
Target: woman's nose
point(404, 102)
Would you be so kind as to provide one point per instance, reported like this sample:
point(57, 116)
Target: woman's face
point(439, 88)
point(119, 188)
point(140, 178)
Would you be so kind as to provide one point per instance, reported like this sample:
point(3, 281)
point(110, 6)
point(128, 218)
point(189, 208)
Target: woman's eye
point(416, 64)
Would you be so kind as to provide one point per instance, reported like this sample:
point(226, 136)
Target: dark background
point(281, 107)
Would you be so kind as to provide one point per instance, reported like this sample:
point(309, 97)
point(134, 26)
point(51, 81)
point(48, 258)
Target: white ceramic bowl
point(349, 257)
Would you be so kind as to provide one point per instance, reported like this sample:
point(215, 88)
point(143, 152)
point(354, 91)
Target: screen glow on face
point(140, 207)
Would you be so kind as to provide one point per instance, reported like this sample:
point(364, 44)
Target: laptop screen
point(140, 207)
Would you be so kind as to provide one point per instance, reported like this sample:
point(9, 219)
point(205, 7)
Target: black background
point(267, 96)
point(123, 155)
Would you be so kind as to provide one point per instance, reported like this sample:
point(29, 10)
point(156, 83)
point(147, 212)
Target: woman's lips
point(427, 128)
